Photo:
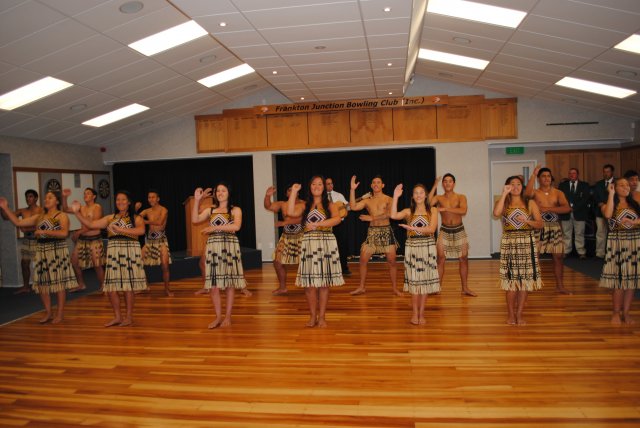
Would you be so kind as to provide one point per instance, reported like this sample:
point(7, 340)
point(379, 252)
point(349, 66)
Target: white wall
point(469, 162)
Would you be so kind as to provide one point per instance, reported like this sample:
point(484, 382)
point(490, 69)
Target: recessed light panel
point(167, 39)
point(631, 44)
point(463, 61)
point(115, 115)
point(477, 12)
point(594, 87)
point(227, 75)
point(32, 92)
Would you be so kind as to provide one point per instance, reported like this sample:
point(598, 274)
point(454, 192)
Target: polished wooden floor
point(370, 368)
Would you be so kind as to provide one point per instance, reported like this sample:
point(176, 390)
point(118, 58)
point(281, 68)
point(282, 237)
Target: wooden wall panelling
point(211, 133)
point(499, 118)
point(594, 160)
point(629, 159)
point(245, 130)
point(329, 129)
point(461, 119)
point(415, 123)
point(371, 126)
point(287, 131)
point(559, 162)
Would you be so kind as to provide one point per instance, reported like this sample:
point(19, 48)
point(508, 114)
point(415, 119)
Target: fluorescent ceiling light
point(463, 61)
point(631, 44)
point(477, 12)
point(32, 92)
point(116, 115)
point(225, 76)
point(168, 39)
point(594, 87)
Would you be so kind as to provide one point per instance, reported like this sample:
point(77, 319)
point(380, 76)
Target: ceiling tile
point(195, 8)
point(596, 16)
point(301, 16)
point(334, 30)
point(106, 15)
point(571, 31)
point(25, 19)
point(71, 7)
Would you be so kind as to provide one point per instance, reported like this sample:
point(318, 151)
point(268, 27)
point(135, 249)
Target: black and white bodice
point(48, 223)
point(419, 220)
point(616, 222)
point(549, 217)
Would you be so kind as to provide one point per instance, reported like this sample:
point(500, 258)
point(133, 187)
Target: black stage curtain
point(406, 166)
point(177, 179)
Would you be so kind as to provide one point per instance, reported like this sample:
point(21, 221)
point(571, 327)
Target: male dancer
point(452, 240)
point(28, 248)
point(552, 202)
point(89, 250)
point(340, 230)
point(380, 238)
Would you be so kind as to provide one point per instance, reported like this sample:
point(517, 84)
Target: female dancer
point(319, 266)
point(53, 271)
point(620, 271)
point(124, 270)
point(222, 255)
point(288, 249)
point(420, 255)
point(519, 265)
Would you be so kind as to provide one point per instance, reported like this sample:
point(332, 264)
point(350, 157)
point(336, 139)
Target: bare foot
point(45, 319)
point(322, 323)
point(56, 320)
point(563, 291)
point(615, 319)
point(126, 323)
point(201, 291)
point(357, 292)
point(226, 322)
point(215, 324)
point(467, 292)
point(78, 288)
point(415, 321)
point(628, 319)
point(279, 291)
point(168, 293)
point(311, 322)
point(422, 321)
point(22, 290)
point(246, 292)
point(511, 321)
point(520, 321)
point(398, 293)
point(115, 321)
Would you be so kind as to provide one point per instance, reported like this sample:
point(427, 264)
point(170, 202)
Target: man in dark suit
point(578, 194)
point(600, 195)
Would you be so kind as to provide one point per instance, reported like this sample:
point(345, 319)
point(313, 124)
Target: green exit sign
point(514, 150)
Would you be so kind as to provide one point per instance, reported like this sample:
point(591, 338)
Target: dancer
point(551, 202)
point(89, 251)
point(420, 260)
point(620, 271)
point(124, 270)
point(452, 239)
point(28, 248)
point(632, 177)
point(156, 247)
point(319, 266)
point(53, 272)
point(380, 239)
point(223, 258)
point(288, 249)
point(519, 264)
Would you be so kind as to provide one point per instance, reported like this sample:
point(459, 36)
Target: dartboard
point(103, 189)
point(53, 185)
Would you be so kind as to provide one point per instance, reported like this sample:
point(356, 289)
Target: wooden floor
point(569, 367)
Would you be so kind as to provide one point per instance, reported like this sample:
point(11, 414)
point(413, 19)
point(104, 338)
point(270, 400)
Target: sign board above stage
point(317, 106)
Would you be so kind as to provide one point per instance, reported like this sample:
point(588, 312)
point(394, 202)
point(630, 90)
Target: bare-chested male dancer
point(552, 202)
point(89, 250)
point(380, 238)
point(452, 240)
point(28, 248)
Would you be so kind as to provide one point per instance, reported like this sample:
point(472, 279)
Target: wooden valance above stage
point(349, 123)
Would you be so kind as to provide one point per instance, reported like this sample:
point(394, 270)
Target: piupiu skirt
point(319, 260)
point(519, 263)
point(85, 248)
point(153, 251)
point(620, 270)
point(380, 240)
point(53, 270)
point(288, 249)
point(454, 241)
point(550, 240)
point(223, 262)
point(420, 265)
point(124, 270)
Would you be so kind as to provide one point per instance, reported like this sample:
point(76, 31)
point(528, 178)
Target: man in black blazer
point(578, 194)
point(600, 196)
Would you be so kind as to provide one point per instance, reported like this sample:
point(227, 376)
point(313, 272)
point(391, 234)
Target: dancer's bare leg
point(62, 297)
point(558, 268)
point(203, 272)
point(464, 272)
point(214, 292)
point(324, 299)
point(25, 264)
point(441, 259)
point(46, 302)
point(231, 292)
point(311, 294)
point(522, 299)
point(97, 267)
point(281, 273)
point(166, 275)
point(626, 306)
point(422, 300)
point(393, 271)
point(365, 256)
point(617, 296)
point(415, 309)
point(129, 298)
point(75, 263)
point(511, 307)
point(114, 299)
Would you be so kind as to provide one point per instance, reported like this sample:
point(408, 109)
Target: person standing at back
point(577, 193)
